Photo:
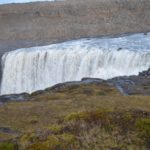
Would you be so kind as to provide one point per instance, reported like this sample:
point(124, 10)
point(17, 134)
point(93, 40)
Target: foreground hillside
point(86, 116)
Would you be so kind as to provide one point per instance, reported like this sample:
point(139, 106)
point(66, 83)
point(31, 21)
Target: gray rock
point(14, 97)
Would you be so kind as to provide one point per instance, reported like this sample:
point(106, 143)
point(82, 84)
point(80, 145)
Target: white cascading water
point(31, 69)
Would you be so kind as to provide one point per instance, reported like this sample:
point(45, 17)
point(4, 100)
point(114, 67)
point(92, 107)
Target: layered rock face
point(25, 25)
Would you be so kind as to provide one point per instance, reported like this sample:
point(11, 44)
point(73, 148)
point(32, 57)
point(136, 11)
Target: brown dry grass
point(48, 109)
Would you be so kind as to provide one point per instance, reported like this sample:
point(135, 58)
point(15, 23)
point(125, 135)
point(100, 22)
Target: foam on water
point(31, 69)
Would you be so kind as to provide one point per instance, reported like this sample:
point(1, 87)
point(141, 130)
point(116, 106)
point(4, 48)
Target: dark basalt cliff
point(31, 24)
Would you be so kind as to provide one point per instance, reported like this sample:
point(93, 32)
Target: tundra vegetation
point(77, 117)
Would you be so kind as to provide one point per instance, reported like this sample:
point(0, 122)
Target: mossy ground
point(86, 117)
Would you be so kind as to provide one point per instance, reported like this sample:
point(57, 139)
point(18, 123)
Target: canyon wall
point(31, 24)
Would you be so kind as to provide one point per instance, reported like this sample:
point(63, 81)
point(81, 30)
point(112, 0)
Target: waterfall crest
point(31, 69)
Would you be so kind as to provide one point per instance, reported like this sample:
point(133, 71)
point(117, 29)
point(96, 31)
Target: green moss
point(125, 121)
point(101, 93)
point(109, 127)
point(77, 116)
point(88, 91)
point(68, 138)
point(6, 136)
point(39, 146)
point(93, 116)
point(33, 120)
point(55, 128)
point(143, 127)
point(62, 142)
point(27, 139)
point(128, 117)
point(8, 146)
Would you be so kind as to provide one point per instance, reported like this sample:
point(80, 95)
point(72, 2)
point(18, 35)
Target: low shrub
point(8, 146)
point(143, 127)
point(62, 141)
point(55, 129)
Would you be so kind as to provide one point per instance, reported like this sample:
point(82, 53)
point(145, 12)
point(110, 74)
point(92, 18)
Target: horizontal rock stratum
point(30, 24)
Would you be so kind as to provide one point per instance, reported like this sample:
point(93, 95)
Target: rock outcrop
point(145, 73)
point(133, 85)
point(127, 85)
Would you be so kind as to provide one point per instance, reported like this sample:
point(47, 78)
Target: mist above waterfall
point(31, 69)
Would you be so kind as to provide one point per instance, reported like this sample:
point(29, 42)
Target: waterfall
point(31, 69)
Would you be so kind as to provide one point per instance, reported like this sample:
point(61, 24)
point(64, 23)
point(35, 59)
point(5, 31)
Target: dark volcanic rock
point(7, 130)
point(145, 73)
point(25, 96)
point(14, 97)
point(133, 85)
point(127, 85)
point(72, 83)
